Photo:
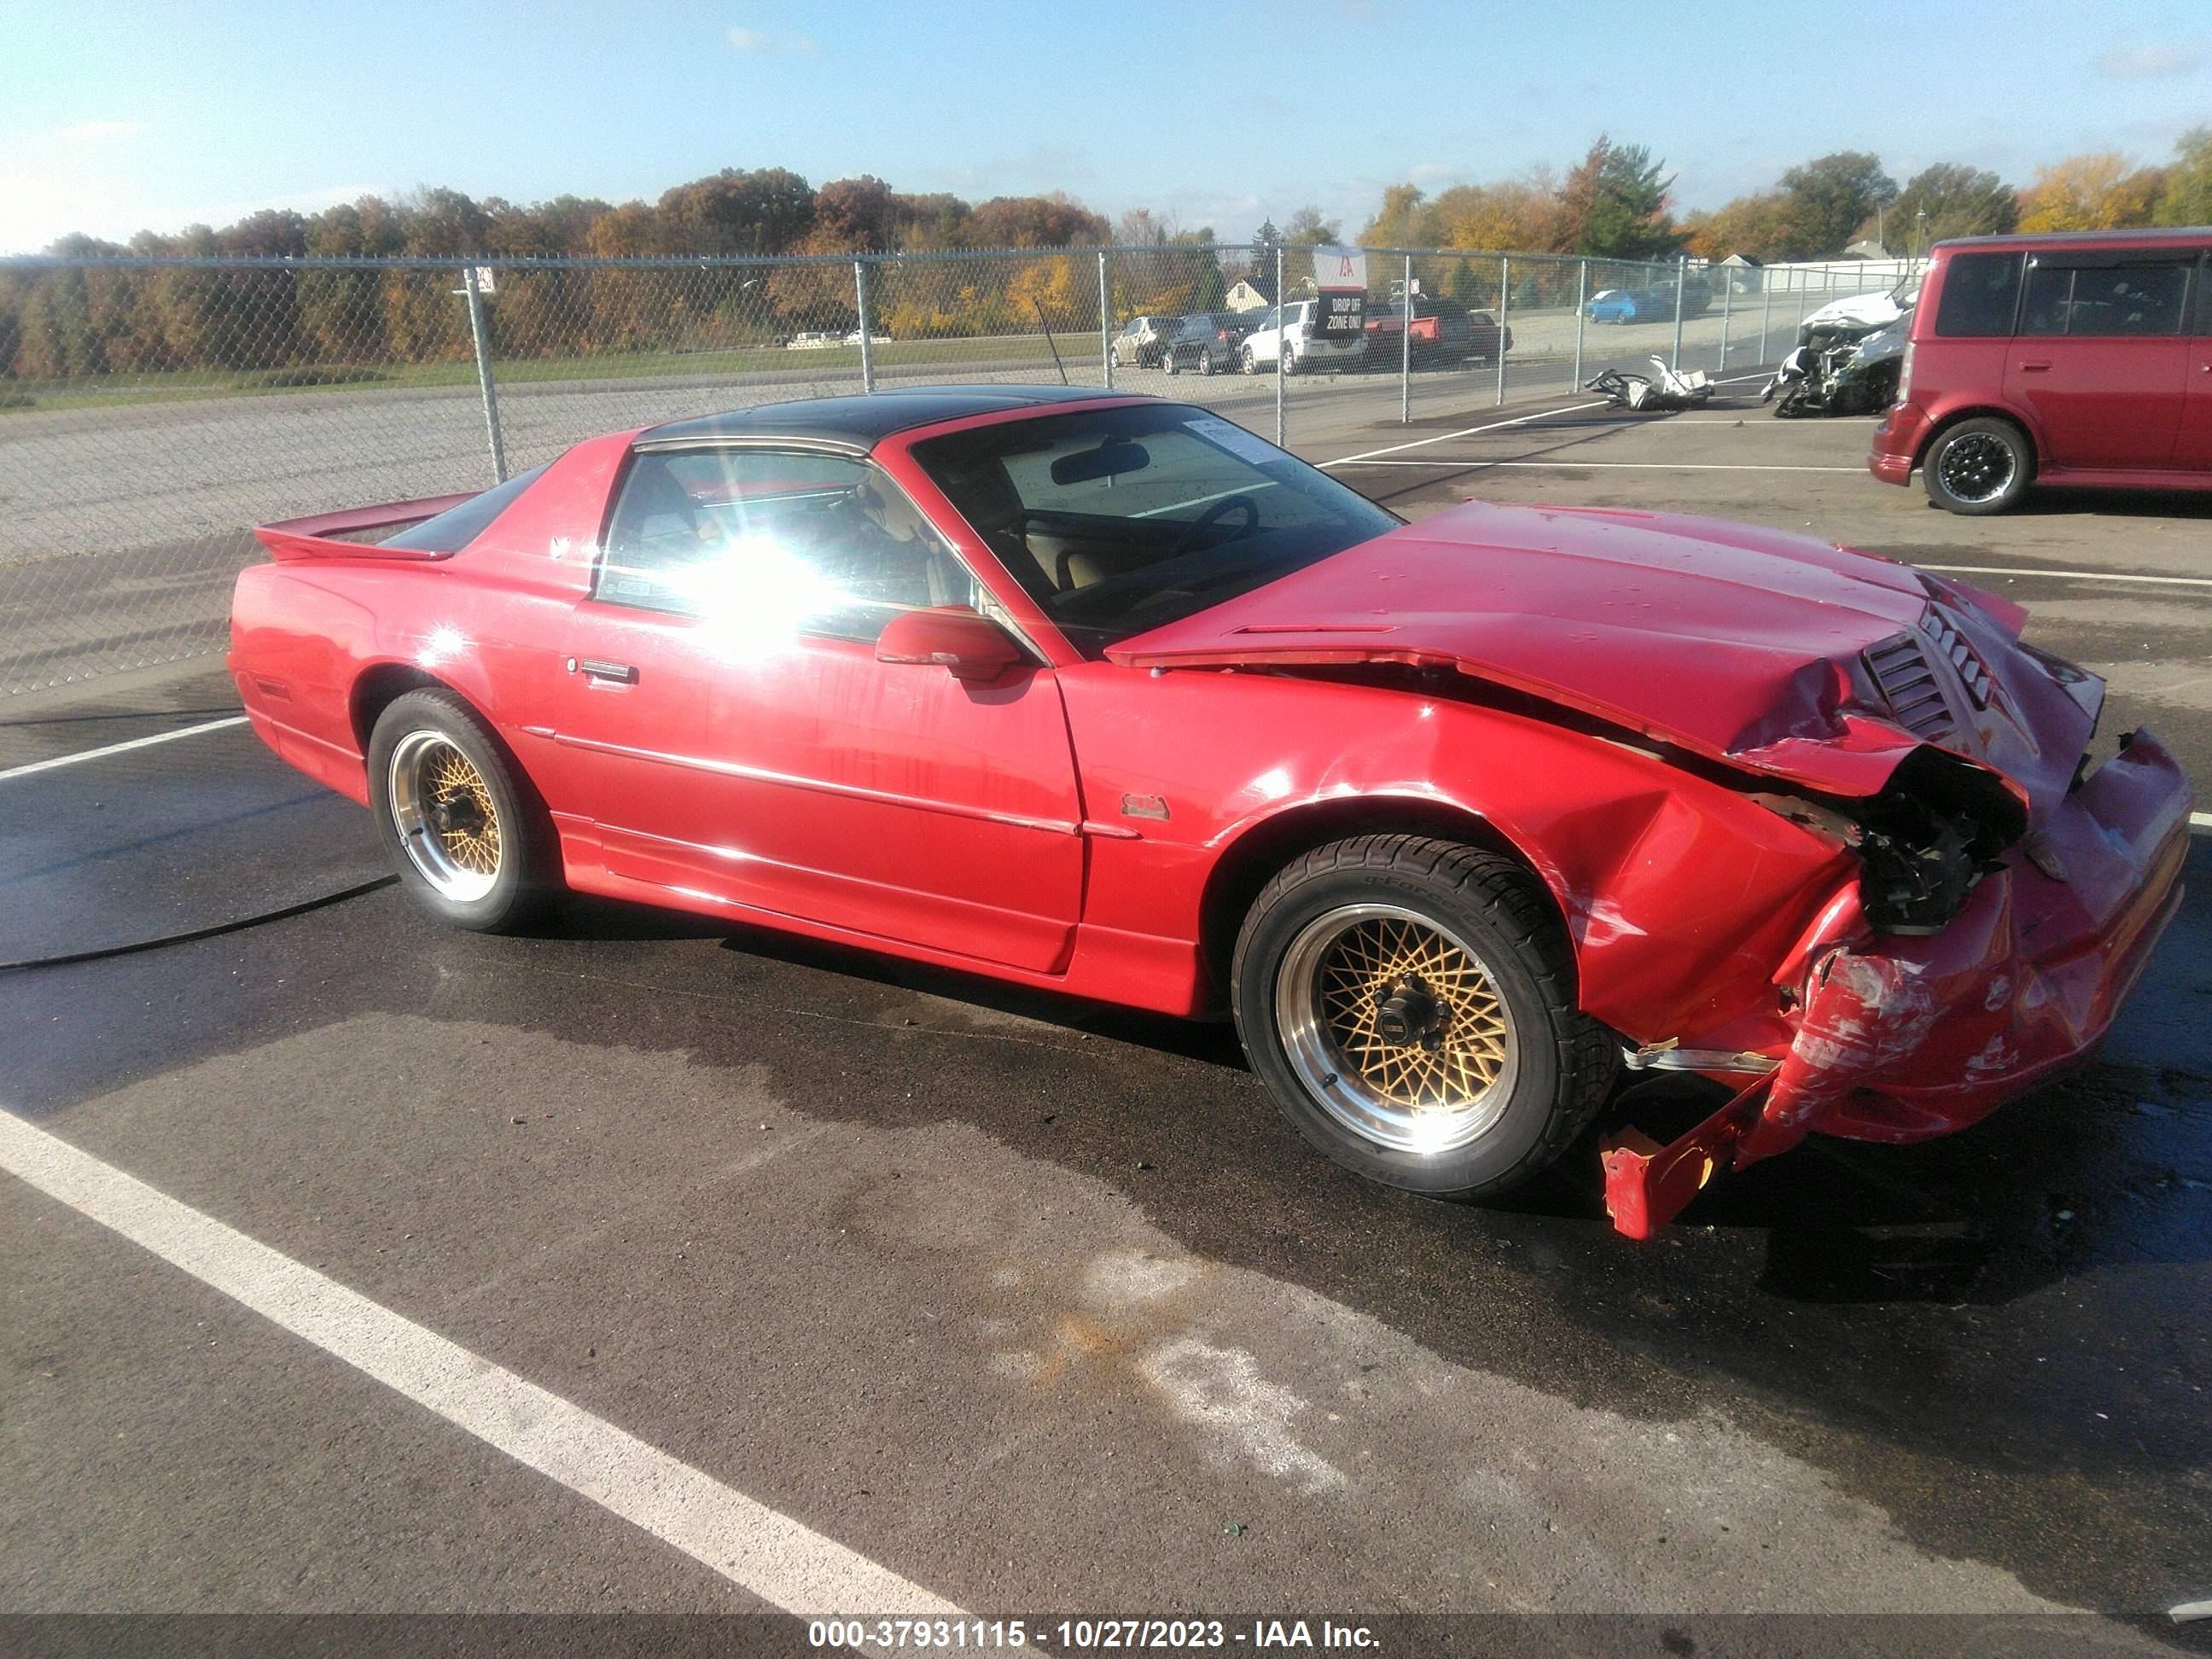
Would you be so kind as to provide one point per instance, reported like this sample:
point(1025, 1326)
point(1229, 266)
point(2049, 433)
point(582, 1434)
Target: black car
point(1207, 341)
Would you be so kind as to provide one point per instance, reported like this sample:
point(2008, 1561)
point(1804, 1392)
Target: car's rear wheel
point(1409, 1003)
point(1167, 361)
point(1206, 361)
point(1249, 367)
point(1979, 466)
point(472, 843)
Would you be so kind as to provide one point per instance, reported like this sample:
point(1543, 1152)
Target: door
point(2193, 450)
point(2100, 358)
point(748, 747)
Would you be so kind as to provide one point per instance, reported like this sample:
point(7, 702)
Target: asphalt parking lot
point(1029, 1303)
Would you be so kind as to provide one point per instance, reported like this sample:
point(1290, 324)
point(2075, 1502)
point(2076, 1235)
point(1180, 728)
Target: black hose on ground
point(215, 931)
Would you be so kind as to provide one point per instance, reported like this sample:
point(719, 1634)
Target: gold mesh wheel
point(1396, 1027)
point(448, 818)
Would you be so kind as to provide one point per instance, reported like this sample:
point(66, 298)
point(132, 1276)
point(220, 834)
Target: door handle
point(2035, 365)
point(598, 669)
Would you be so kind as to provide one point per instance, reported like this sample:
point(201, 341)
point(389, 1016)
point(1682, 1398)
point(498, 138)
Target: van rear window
point(1980, 293)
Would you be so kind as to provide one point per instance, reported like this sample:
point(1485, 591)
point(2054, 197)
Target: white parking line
point(1518, 419)
point(120, 748)
point(1464, 432)
point(2066, 575)
point(754, 1547)
point(1646, 466)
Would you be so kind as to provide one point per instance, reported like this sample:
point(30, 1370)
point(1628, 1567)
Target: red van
point(2084, 358)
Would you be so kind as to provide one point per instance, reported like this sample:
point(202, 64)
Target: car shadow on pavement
point(2058, 500)
point(2090, 1169)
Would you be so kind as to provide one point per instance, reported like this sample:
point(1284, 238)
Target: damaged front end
point(1977, 950)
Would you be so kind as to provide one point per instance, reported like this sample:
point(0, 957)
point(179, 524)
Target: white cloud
point(91, 132)
point(2162, 63)
point(760, 41)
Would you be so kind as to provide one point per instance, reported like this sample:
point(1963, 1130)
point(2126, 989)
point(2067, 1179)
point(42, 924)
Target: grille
point(1972, 673)
point(1902, 668)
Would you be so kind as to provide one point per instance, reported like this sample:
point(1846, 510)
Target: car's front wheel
point(1249, 366)
point(470, 842)
point(1979, 466)
point(1409, 1003)
point(1167, 361)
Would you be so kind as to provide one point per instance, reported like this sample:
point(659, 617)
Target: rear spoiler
point(315, 537)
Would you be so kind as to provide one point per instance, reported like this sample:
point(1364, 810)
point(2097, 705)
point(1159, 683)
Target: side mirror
point(970, 647)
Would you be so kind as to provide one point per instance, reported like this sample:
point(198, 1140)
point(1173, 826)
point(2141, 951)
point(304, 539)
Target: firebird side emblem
point(1145, 806)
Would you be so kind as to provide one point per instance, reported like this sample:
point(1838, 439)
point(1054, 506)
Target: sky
point(121, 115)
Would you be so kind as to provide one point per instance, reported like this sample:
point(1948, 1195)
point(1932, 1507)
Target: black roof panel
point(865, 418)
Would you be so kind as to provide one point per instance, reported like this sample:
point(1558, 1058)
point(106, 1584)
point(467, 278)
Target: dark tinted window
point(1117, 520)
point(455, 528)
point(2048, 289)
point(1979, 292)
point(2144, 298)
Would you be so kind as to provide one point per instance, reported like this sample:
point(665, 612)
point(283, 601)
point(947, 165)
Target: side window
point(2048, 291)
point(772, 541)
point(2143, 299)
point(1979, 293)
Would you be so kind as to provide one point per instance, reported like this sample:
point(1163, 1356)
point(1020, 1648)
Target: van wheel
point(1409, 1003)
point(1978, 467)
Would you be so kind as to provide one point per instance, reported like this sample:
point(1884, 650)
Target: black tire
point(1978, 467)
point(1204, 361)
point(1167, 361)
point(1248, 367)
point(1563, 1063)
point(418, 730)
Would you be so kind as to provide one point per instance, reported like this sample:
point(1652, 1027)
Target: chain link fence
point(151, 410)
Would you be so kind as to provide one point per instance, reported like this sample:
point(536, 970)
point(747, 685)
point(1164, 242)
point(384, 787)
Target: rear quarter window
point(1980, 293)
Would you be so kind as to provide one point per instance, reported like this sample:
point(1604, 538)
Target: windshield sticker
point(1236, 440)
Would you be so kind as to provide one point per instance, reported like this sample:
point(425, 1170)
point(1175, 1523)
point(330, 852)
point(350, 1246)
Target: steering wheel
point(1221, 508)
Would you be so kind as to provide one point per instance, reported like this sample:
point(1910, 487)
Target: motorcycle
point(1670, 389)
point(1855, 375)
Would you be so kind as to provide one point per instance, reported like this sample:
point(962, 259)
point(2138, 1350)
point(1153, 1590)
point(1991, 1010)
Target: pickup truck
point(1444, 329)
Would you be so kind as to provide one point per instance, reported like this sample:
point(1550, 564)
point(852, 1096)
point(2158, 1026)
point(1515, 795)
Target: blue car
point(1649, 305)
point(1630, 305)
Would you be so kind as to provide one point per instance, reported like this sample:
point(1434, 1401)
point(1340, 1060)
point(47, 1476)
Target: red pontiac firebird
point(1106, 695)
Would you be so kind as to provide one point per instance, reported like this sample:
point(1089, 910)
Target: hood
point(1750, 647)
point(1881, 345)
point(1872, 309)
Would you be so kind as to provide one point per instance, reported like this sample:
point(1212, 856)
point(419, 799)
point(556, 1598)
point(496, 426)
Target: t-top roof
point(865, 418)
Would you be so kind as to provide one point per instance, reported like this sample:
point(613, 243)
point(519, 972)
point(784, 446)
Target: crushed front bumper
point(1904, 1038)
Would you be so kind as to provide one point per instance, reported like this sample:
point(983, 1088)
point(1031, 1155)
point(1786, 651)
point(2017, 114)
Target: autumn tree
point(1053, 220)
point(737, 212)
point(1615, 204)
point(1758, 225)
point(1142, 227)
point(2101, 192)
point(1514, 215)
point(1406, 219)
point(2187, 198)
point(1959, 201)
point(1829, 198)
point(1309, 228)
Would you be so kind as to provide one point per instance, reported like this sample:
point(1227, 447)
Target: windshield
point(1120, 521)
